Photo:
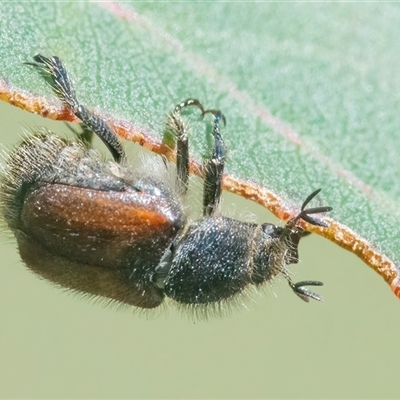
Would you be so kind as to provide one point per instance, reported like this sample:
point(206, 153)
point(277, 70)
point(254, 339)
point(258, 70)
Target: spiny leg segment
point(214, 168)
point(179, 129)
point(56, 75)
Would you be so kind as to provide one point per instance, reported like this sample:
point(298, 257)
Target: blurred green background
point(59, 345)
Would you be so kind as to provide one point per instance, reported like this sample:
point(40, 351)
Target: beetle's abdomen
point(212, 262)
point(81, 226)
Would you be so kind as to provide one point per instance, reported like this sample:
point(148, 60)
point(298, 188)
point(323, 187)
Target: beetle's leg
point(214, 168)
point(179, 130)
point(56, 75)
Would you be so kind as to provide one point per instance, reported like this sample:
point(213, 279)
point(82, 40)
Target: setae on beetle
point(106, 229)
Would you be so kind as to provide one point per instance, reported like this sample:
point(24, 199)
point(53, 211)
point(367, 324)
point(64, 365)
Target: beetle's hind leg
point(214, 168)
point(55, 74)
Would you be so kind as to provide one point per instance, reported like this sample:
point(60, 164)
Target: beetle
point(106, 229)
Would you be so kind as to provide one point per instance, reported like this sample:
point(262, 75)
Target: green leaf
point(308, 105)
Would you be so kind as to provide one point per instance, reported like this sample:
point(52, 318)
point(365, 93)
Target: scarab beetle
point(105, 229)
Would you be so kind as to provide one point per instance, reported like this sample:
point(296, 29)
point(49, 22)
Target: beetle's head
point(288, 241)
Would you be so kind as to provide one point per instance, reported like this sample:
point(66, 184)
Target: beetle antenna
point(299, 288)
point(305, 214)
point(305, 294)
